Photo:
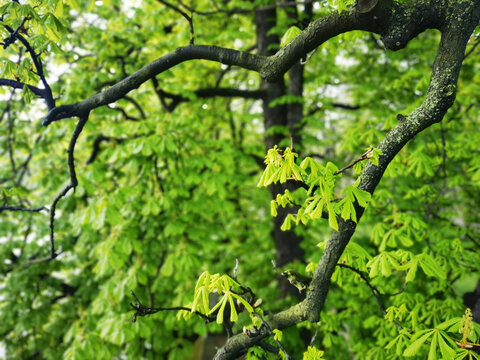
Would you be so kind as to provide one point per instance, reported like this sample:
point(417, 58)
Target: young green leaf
point(289, 35)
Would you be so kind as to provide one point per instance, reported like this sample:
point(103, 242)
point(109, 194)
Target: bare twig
point(238, 10)
point(375, 292)
point(185, 15)
point(472, 49)
point(361, 158)
point(25, 164)
point(142, 310)
point(19, 208)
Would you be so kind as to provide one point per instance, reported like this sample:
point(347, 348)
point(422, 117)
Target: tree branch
point(19, 85)
point(142, 310)
point(204, 93)
point(396, 32)
point(456, 31)
point(73, 179)
point(184, 14)
point(37, 62)
point(19, 208)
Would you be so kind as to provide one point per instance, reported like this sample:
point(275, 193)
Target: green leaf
point(332, 217)
point(277, 334)
point(447, 349)
point(289, 35)
point(412, 270)
point(430, 267)
point(417, 341)
point(363, 197)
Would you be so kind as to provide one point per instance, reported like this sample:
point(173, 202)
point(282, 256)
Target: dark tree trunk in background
point(287, 243)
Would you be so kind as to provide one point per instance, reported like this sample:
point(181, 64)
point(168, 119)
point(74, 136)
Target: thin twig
point(142, 310)
point(314, 337)
point(25, 164)
point(185, 15)
point(375, 292)
point(361, 158)
point(472, 49)
point(19, 208)
point(238, 10)
point(270, 331)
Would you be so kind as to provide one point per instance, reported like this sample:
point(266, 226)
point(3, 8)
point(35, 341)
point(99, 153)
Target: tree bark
point(287, 243)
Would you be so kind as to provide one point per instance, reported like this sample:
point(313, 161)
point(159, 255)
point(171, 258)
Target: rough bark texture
point(397, 23)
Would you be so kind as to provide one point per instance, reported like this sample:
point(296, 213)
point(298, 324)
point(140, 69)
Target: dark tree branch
point(73, 179)
point(136, 105)
point(19, 208)
point(185, 15)
point(176, 99)
point(456, 25)
point(238, 10)
point(96, 147)
point(123, 112)
point(19, 85)
point(37, 62)
point(396, 33)
point(337, 105)
point(142, 310)
point(440, 97)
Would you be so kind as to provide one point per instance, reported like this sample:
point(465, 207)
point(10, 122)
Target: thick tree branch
point(457, 24)
point(441, 94)
point(397, 24)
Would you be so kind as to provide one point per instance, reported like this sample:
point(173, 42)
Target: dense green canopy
point(262, 177)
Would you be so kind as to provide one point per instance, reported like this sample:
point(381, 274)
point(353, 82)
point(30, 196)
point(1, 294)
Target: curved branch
point(184, 14)
point(38, 65)
point(457, 24)
point(73, 179)
point(390, 19)
point(440, 96)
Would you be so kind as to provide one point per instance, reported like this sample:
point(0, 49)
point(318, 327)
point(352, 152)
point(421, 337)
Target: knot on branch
point(140, 309)
point(448, 90)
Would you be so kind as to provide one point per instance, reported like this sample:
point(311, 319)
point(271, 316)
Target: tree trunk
point(287, 243)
